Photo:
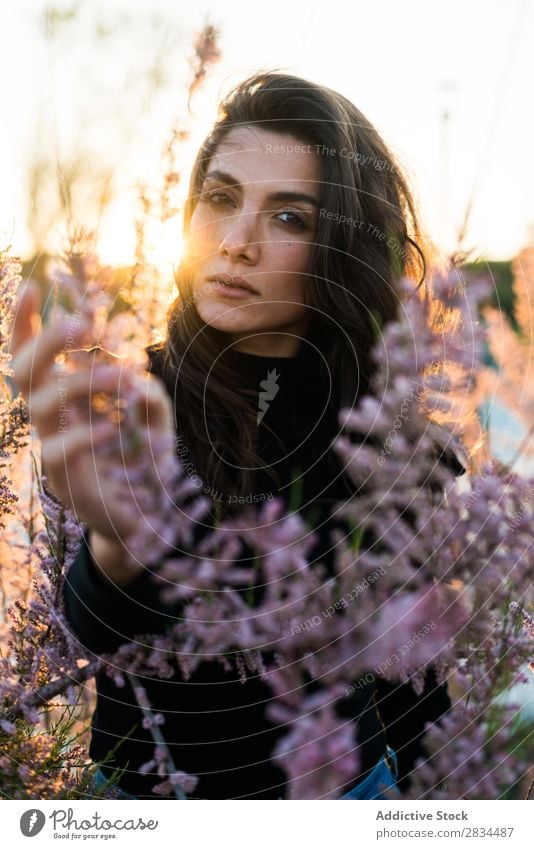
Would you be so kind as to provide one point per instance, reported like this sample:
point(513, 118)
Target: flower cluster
point(451, 555)
point(43, 765)
point(129, 456)
point(13, 414)
point(39, 659)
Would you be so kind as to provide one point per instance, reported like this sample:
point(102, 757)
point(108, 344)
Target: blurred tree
point(109, 70)
point(500, 273)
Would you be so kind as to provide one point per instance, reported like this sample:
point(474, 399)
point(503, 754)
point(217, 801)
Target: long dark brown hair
point(352, 286)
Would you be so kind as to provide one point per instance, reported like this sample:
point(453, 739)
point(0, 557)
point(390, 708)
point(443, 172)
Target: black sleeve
point(103, 615)
point(404, 714)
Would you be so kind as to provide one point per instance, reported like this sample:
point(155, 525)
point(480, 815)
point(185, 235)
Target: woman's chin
point(226, 321)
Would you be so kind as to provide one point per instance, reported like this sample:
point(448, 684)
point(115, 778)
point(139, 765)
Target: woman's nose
point(240, 240)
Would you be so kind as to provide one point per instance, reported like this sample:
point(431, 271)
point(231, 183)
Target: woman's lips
point(232, 288)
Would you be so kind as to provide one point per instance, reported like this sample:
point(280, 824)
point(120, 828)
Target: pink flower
point(319, 754)
point(413, 630)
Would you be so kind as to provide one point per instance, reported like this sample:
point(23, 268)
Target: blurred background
point(92, 88)
point(105, 103)
point(99, 132)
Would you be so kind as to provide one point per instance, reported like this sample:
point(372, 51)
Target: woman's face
point(256, 220)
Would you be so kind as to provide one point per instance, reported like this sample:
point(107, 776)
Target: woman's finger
point(71, 463)
point(36, 357)
point(49, 408)
point(155, 405)
point(60, 451)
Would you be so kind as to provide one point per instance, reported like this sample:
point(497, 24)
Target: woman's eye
point(217, 198)
point(294, 220)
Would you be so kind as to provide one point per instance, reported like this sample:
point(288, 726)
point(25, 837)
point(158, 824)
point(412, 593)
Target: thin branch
point(54, 688)
point(157, 736)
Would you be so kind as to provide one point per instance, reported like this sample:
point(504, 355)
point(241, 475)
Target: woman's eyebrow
point(283, 196)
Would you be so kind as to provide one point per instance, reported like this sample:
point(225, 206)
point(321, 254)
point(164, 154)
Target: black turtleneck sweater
point(215, 725)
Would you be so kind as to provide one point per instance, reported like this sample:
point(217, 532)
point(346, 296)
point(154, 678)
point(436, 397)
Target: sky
point(404, 65)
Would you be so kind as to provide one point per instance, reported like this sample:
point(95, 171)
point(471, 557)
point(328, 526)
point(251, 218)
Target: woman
point(297, 225)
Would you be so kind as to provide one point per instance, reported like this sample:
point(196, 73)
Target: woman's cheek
point(201, 241)
point(296, 264)
point(290, 257)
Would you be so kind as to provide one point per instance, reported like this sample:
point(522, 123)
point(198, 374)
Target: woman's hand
point(64, 407)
